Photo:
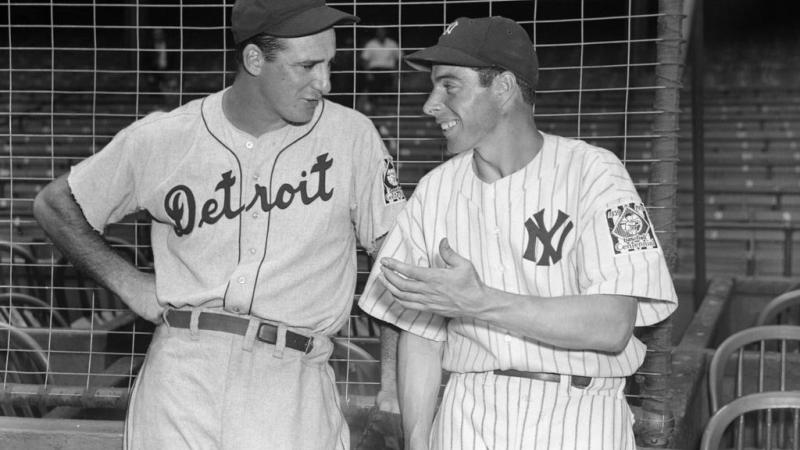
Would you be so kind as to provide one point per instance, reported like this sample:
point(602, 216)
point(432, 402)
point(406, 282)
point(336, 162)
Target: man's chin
point(454, 149)
point(300, 116)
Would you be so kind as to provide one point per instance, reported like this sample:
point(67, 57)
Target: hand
point(452, 291)
point(140, 296)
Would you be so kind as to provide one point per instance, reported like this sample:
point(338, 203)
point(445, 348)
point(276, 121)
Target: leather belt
point(267, 332)
point(576, 380)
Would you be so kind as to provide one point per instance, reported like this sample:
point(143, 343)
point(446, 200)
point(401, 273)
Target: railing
point(788, 229)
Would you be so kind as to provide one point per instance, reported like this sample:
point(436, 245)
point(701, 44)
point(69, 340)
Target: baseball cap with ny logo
point(483, 42)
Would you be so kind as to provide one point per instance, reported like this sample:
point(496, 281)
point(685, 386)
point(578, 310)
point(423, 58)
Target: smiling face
point(292, 85)
point(467, 112)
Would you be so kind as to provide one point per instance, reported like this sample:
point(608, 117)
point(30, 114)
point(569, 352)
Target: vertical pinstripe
point(486, 411)
point(485, 223)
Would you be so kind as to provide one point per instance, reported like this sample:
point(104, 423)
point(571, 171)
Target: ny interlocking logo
point(538, 232)
point(450, 27)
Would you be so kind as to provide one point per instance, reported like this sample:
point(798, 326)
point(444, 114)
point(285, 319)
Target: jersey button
point(248, 144)
point(507, 338)
point(242, 280)
point(236, 309)
point(252, 251)
point(256, 177)
point(255, 215)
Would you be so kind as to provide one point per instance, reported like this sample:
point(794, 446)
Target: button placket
point(493, 230)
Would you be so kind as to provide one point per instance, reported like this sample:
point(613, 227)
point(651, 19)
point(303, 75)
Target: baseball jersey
point(263, 225)
point(568, 223)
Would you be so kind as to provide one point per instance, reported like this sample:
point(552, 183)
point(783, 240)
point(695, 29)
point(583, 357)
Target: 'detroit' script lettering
point(181, 205)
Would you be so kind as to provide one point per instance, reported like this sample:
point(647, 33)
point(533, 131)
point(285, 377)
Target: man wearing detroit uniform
point(259, 194)
point(521, 266)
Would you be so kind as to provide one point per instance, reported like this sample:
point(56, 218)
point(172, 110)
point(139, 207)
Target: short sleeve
point(378, 195)
point(404, 243)
point(619, 251)
point(105, 184)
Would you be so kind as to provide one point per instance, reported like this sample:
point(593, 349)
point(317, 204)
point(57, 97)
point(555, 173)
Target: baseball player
point(521, 266)
point(259, 194)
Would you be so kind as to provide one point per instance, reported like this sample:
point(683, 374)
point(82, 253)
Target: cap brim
point(425, 59)
point(312, 21)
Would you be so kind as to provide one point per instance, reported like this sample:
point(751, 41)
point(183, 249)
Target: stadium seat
point(765, 429)
point(760, 370)
point(24, 362)
point(783, 309)
point(21, 269)
point(23, 310)
point(357, 371)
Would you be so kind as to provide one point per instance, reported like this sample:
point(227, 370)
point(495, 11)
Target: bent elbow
point(617, 345)
point(617, 341)
point(41, 205)
point(620, 330)
point(47, 202)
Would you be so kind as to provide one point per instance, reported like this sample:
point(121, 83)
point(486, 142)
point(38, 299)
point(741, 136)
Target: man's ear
point(504, 86)
point(252, 59)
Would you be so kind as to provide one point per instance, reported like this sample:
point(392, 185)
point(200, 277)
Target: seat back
point(23, 362)
point(23, 310)
point(760, 359)
point(357, 371)
point(766, 420)
point(20, 269)
point(783, 309)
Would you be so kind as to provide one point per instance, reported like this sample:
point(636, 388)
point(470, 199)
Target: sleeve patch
point(630, 228)
point(392, 192)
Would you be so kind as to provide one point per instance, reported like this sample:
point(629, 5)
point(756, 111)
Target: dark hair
point(487, 74)
point(270, 46)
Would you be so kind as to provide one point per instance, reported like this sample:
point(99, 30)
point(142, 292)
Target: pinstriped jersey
point(263, 225)
point(569, 222)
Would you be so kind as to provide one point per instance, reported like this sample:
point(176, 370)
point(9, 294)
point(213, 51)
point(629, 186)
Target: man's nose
point(432, 105)
point(322, 79)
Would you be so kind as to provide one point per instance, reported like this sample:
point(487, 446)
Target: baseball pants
point(488, 411)
point(202, 389)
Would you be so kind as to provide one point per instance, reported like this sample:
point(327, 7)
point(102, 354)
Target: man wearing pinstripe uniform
point(520, 266)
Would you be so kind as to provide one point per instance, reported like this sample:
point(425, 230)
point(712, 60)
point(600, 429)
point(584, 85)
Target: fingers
point(407, 292)
point(449, 256)
point(402, 283)
point(406, 270)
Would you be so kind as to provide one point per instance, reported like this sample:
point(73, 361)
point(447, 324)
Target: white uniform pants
point(488, 411)
point(213, 390)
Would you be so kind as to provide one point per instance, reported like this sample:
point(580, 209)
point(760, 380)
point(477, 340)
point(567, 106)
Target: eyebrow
point(311, 61)
point(446, 76)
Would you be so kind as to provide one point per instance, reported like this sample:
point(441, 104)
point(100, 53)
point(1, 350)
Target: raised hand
point(452, 291)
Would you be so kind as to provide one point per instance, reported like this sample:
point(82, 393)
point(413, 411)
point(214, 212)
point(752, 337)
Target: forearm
point(577, 322)
point(63, 221)
point(419, 379)
point(387, 397)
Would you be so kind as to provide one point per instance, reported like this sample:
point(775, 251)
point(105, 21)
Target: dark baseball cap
point(284, 18)
point(482, 42)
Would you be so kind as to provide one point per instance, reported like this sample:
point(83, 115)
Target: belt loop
point(564, 383)
point(164, 315)
point(194, 320)
point(250, 334)
point(280, 342)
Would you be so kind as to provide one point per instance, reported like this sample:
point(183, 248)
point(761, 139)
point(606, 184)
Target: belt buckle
point(272, 337)
point(580, 382)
